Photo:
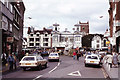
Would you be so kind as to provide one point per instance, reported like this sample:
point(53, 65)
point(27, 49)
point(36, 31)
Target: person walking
point(78, 54)
point(10, 60)
point(15, 59)
point(115, 59)
point(74, 54)
point(119, 59)
point(4, 58)
point(109, 59)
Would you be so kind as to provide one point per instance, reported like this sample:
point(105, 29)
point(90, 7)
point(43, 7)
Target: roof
point(43, 31)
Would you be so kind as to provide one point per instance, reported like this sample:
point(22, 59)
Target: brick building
point(114, 23)
point(84, 27)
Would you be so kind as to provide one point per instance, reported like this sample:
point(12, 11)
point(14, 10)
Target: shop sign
point(10, 39)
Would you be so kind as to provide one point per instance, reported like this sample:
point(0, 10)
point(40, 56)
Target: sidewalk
point(5, 68)
point(112, 72)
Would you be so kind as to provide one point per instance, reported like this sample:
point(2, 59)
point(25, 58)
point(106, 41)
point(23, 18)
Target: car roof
point(93, 55)
point(54, 53)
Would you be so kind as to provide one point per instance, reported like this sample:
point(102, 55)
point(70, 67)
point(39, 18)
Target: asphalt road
point(66, 68)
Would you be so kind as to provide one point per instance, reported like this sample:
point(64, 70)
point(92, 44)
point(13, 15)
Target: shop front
point(118, 41)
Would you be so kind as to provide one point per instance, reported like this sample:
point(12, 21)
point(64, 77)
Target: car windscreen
point(92, 57)
point(29, 59)
point(53, 54)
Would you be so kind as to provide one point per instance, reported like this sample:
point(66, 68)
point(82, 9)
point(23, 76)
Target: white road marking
point(74, 73)
point(54, 68)
point(105, 75)
point(38, 77)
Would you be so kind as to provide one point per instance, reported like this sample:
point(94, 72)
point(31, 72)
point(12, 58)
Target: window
point(4, 23)
point(3, 1)
point(31, 34)
point(92, 57)
point(46, 35)
point(29, 59)
point(37, 34)
point(45, 39)
point(31, 39)
point(98, 41)
point(11, 8)
point(37, 39)
point(31, 44)
point(45, 44)
point(37, 44)
point(97, 45)
point(62, 39)
point(11, 27)
point(83, 28)
point(104, 43)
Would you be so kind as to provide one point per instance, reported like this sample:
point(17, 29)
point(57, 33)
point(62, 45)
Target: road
point(66, 68)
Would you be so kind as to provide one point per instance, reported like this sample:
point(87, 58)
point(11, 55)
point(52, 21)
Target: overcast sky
point(67, 13)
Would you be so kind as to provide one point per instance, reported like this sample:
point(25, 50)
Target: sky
point(67, 13)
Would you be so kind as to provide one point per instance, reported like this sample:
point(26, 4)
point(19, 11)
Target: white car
point(53, 56)
point(92, 59)
point(32, 62)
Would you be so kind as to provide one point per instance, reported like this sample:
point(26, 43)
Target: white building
point(39, 38)
point(66, 40)
point(99, 41)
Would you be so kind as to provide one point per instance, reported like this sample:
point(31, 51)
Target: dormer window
point(46, 35)
point(37, 34)
point(31, 34)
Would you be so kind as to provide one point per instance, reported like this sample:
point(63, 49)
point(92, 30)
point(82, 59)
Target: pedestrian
point(4, 58)
point(109, 59)
point(78, 54)
point(10, 60)
point(115, 59)
point(15, 59)
point(74, 54)
point(119, 59)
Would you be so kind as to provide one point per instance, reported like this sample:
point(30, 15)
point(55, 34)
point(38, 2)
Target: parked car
point(53, 56)
point(35, 61)
point(92, 59)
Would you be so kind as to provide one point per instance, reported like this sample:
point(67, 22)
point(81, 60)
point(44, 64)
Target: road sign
point(76, 73)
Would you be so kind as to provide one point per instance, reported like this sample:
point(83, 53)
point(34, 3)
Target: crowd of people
point(113, 59)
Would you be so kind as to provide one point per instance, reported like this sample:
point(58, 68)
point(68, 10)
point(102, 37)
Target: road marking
point(75, 73)
point(38, 77)
point(54, 68)
point(105, 75)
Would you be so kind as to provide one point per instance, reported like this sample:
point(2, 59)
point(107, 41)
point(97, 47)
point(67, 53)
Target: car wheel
point(86, 65)
point(45, 65)
point(40, 67)
point(24, 69)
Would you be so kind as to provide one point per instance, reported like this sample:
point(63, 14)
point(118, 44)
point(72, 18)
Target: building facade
point(114, 23)
point(12, 18)
point(39, 38)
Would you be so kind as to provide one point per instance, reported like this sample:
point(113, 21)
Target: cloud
point(44, 13)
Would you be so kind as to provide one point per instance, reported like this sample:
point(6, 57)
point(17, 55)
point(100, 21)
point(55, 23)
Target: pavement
point(5, 68)
point(111, 72)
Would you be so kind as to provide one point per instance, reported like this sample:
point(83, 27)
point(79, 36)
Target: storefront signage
point(10, 39)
